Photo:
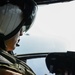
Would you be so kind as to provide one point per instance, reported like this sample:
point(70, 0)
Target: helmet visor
point(28, 23)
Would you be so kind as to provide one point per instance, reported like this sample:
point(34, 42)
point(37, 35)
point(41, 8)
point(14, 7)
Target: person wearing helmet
point(16, 16)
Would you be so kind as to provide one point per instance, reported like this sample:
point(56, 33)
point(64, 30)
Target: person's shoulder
point(11, 62)
point(6, 57)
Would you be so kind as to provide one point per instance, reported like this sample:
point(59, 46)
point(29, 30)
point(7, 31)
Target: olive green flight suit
point(10, 62)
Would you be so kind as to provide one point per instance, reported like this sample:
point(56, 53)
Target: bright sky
point(53, 23)
point(56, 21)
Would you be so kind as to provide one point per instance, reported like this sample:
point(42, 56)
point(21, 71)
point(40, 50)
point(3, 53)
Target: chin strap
point(10, 62)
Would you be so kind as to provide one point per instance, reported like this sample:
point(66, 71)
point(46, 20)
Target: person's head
point(16, 16)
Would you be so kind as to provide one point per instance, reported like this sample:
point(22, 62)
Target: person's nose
point(21, 32)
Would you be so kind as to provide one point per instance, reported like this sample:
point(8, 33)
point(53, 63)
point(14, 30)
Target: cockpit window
point(53, 30)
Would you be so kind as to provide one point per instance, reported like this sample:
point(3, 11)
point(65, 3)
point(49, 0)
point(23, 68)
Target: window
point(38, 65)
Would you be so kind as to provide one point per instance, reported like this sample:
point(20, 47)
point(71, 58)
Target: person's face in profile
point(11, 43)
